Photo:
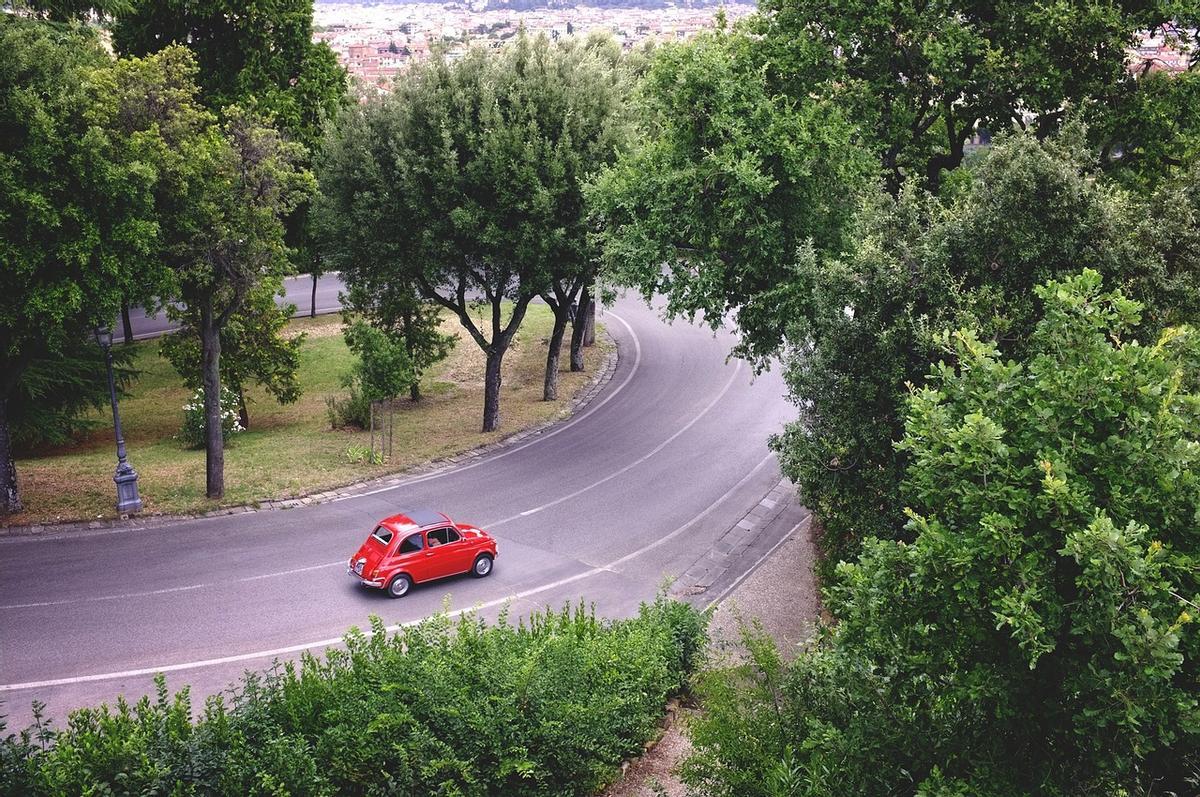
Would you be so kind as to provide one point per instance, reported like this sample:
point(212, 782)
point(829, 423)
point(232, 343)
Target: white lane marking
point(292, 572)
point(593, 408)
point(338, 641)
point(708, 510)
point(728, 385)
point(188, 588)
point(104, 597)
point(526, 513)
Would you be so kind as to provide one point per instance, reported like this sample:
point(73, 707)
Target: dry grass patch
point(290, 450)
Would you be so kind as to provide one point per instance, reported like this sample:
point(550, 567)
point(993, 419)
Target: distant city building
point(376, 42)
point(1159, 51)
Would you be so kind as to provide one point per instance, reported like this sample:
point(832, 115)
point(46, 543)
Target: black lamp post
point(128, 500)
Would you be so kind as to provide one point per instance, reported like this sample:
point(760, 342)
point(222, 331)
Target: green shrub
point(549, 706)
point(354, 410)
point(1039, 633)
point(192, 432)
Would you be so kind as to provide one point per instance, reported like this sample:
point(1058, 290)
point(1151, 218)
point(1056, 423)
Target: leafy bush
point(549, 706)
point(359, 454)
point(192, 433)
point(1038, 634)
point(383, 371)
point(353, 410)
point(1030, 211)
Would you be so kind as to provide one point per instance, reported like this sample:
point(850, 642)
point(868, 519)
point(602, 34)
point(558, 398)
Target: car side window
point(412, 543)
point(442, 537)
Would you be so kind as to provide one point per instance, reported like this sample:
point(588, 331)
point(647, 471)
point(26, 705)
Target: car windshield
point(382, 535)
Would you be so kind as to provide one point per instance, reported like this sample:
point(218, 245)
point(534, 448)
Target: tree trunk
point(550, 388)
point(214, 443)
point(243, 413)
point(589, 323)
point(406, 329)
point(312, 313)
point(577, 328)
point(491, 387)
point(10, 495)
point(126, 322)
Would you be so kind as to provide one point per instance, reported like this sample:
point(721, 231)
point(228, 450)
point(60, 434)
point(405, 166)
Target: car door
point(449, 553)
point(410, 557)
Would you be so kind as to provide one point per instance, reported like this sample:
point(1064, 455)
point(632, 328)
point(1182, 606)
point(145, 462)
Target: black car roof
point(424, 517)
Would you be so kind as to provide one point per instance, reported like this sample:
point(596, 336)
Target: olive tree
point(471, 176)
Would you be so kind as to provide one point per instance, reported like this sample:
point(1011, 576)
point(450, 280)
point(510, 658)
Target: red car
point(421, 545)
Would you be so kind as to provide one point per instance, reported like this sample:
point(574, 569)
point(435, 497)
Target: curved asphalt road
point(604, 507)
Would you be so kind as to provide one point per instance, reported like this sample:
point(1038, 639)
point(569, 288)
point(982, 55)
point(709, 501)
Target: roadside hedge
point(549, 706)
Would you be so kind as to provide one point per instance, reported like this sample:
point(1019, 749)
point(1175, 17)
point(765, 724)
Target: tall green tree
point(726, 182)
point(919, 78)
point(228, 239)
point(471, 164)
point(261, 57)
point(76, 204)
point(354, 236)
point(253, 348)
point(1040, 631)
point(1029, 211)
point(595, 109)
point(258, 55)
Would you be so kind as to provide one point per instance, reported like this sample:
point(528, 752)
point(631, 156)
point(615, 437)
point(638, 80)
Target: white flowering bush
point(192, 432)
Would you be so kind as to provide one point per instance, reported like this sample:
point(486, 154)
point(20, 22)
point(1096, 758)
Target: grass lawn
point(290, 450)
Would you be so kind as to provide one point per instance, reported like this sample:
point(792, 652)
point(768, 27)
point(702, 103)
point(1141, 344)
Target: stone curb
point(714, 562)
point(603, 376)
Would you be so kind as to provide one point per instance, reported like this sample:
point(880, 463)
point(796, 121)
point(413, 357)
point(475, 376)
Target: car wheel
point(398, 587)
point(482, 566)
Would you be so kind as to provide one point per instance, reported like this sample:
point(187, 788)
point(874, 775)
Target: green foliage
point(1027, 212)
point(383, 370)
point(359, 454)
point(57, 282)
point(65, 10)
point(728, 181)
point(252, 346)
point(1039, 634)
point(251, 54)
point(1156, 127)
point(49, 403)
point(918, 78)
point(192, 433)
point(79, 184)
point(465, 184)
point(546, 707)
point(353, 410)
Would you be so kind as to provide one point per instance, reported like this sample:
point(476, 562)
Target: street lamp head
point(104, 337)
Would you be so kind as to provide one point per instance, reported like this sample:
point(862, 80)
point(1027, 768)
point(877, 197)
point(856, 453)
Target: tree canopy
point(259, 55)
point(1026, 212)
point(920, 78)
point(728, 180)
point(77, 208)
point(469, 180)
point(1038, 633)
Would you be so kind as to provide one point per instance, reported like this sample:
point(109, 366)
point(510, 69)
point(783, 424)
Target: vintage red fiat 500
point(421, 545)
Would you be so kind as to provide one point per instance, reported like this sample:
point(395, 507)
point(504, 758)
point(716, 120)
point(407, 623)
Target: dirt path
point(781, 597)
